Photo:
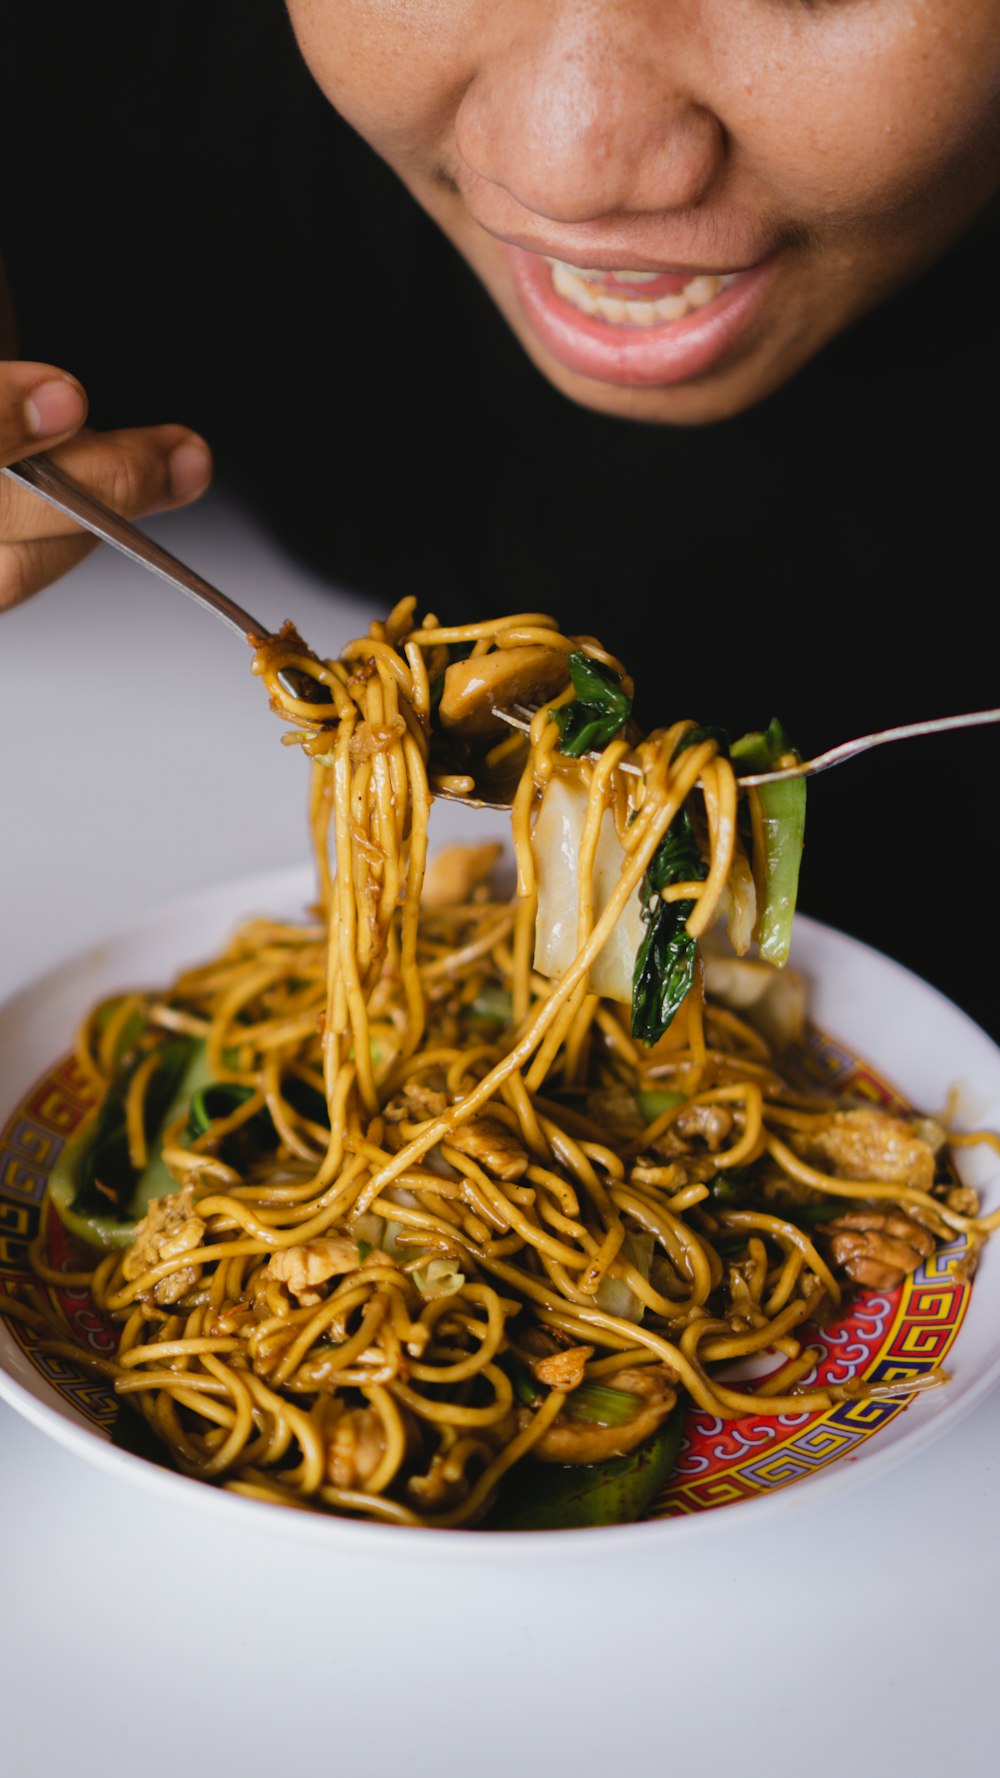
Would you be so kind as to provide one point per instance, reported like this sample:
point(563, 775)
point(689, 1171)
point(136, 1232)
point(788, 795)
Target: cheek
point(871, 115)
point(392, 68)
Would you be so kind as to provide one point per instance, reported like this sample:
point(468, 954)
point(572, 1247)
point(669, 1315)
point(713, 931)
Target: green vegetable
point(664, 964)
point(493, 1005)
point(308, 1101)
point(695, 736)
point(734, 1189)
point(240, 1147)
point(97, 1193)
point(597, 1404)
point(130, 1032)
point(652, 1103)
point(598, 711)
point(783, 807)
point(215, 1100)
point(565, 1496)
point(808, 1215)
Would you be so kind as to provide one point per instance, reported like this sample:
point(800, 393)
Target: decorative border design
point(884, 1338)
point(889, 1337)
point(30, 1146)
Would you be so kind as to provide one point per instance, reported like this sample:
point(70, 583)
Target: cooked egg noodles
point(427, 1191)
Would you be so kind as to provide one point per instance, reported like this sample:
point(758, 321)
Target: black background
point(224, 251)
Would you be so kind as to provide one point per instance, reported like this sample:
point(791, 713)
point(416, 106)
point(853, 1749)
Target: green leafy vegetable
point(565, 1496)
point(783, 807)
point(214, 1100)
point(240, 1147)
point(96, 1191)
point(695, 736)
point(664, 964)
point(598, 711)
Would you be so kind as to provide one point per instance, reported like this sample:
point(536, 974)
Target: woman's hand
point(145, 469)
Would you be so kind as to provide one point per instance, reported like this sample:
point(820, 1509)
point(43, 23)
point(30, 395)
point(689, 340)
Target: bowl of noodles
point(406, 1209)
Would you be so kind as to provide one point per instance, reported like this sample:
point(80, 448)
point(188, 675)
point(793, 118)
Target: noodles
point(414, 1209)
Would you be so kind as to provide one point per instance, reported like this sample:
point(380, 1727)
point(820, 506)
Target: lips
point(636, 329)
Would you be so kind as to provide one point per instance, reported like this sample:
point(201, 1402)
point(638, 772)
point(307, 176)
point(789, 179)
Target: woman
point(763, 231)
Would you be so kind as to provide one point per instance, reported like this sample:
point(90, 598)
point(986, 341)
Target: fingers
point(146, 469)
point(39, 406)
point(139, 471)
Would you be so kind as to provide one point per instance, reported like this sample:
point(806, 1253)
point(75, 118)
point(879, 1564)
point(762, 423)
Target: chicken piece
point(579, 1441)
point(878, 1247)
point(564, 1370)
point(439, 1488)
point(369, 738)
point(490, 1144)
point(963, 1199)
point(169, 1228)
point(415, 1104)
point(529, 674)
point(355, 1448)
point(454, 873)
point(710, 1124)
point(870, 1144)
point(304, 1267)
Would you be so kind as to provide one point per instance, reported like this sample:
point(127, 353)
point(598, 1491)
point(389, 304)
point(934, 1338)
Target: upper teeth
point(623, 276)
point(572, 283)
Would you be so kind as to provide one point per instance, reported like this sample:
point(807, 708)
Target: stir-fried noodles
point(436, 1201)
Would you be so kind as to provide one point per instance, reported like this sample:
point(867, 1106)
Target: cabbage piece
point(556, 846)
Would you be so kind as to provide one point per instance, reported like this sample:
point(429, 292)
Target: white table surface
point(856, 1631)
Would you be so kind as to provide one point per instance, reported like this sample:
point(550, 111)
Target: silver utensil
point(905, 731)
point(821, 762)
point(44, 478)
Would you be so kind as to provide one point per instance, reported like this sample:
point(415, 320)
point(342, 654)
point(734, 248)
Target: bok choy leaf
point(598, 711)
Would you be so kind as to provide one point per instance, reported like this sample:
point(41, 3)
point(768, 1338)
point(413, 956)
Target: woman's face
point(676, 203)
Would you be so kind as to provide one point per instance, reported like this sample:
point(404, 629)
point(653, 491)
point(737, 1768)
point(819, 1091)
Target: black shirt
point(235, 257)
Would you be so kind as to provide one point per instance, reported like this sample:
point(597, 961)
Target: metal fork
point(44, 478)
point(821, 762)
point(52, 484)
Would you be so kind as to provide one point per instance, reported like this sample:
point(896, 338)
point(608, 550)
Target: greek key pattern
point(30, 1146)
point(896, 1337)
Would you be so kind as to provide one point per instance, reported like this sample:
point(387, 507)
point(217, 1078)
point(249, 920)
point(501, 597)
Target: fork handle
point(907, 731)
point(43, 477)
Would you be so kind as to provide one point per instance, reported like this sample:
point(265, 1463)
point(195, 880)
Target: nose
point(585, 109)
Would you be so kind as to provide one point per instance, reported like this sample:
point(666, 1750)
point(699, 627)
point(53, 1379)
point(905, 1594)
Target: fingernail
point(190, 469)
point(56, 406)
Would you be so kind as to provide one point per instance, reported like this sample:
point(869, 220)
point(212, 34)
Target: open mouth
point(636, 299)
point(640, 329)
